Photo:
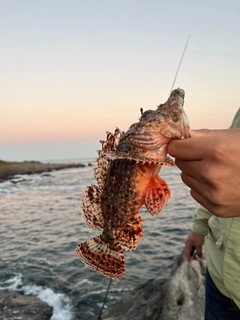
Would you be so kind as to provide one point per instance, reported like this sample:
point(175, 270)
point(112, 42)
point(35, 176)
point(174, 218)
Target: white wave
point(62, 307)
point(61, 304)
point(12, 283)
point(82, 282)
point(94, 292)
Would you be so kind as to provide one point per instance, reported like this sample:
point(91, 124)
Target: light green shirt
point(222, 245)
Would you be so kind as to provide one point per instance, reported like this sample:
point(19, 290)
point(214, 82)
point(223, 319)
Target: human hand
point(196, 241)
point(210, 165)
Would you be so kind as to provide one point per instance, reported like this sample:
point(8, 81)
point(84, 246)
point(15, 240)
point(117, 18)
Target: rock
point(17, 180)
point(15, 305)
point(46, 175)
point(181, 297)
point(9, 170)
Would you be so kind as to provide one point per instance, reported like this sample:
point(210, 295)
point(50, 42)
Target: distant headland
point(10, 169)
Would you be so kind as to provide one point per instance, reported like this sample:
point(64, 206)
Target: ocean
point(41, 225)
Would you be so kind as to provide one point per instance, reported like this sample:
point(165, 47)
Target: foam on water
point(84, 281)
point(61, 304)
point(12, 283)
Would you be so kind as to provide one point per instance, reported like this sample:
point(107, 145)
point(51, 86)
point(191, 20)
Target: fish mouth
point(177, 92)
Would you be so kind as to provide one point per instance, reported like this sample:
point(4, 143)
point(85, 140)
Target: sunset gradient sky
point(71, 70)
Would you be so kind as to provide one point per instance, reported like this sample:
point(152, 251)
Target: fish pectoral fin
point(103, 257)
point(157, 195)
point(92, 208)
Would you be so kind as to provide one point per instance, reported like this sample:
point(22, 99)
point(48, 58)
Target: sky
point(72, 70)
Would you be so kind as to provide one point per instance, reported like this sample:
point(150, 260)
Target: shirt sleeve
point(236, 120)
point(200, 221)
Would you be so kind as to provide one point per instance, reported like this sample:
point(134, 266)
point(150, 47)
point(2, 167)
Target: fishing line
point(179, 65)
point(174, 80)
point(105, 298)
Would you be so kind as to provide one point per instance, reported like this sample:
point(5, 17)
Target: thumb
point(199, 252)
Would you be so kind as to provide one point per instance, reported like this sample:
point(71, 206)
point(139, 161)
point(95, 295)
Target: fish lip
point(181, 93)
point(186, 126)
point(177, 92)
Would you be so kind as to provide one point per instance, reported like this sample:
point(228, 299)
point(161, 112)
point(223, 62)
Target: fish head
point(147, 140)
point(176, 122)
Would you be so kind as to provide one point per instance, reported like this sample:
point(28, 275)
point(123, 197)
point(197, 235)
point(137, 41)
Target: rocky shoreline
point(10, 169)
point(179, 297)
point(15, 305)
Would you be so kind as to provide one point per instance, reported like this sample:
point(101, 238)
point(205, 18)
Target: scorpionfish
point(127, 178)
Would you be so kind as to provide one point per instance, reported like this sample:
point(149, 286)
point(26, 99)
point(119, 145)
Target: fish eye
point(124, 147)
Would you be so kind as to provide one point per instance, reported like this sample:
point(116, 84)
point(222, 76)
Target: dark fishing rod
point(174, 80)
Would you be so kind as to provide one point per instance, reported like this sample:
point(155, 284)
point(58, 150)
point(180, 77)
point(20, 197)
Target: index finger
point(188, 149)
point(201, 143)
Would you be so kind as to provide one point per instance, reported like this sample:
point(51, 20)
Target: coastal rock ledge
point(181, 297)
point(14, 306)
point(8, 170)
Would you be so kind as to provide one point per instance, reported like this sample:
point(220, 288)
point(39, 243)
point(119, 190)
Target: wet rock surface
point(181, 297)
point(15, 306)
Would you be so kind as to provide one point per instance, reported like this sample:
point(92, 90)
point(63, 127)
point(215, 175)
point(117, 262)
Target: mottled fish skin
point(127, 178)
point(147, 139)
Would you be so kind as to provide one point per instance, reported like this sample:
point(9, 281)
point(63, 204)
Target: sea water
point(41, 225)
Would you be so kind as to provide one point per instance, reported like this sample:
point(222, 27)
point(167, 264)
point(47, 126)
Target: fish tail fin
point(157, 195)
point(104, 257)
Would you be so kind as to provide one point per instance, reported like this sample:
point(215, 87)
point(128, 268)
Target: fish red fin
point(103, 257)
point(92, 208)
point(128, 234)
point(157, 195)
